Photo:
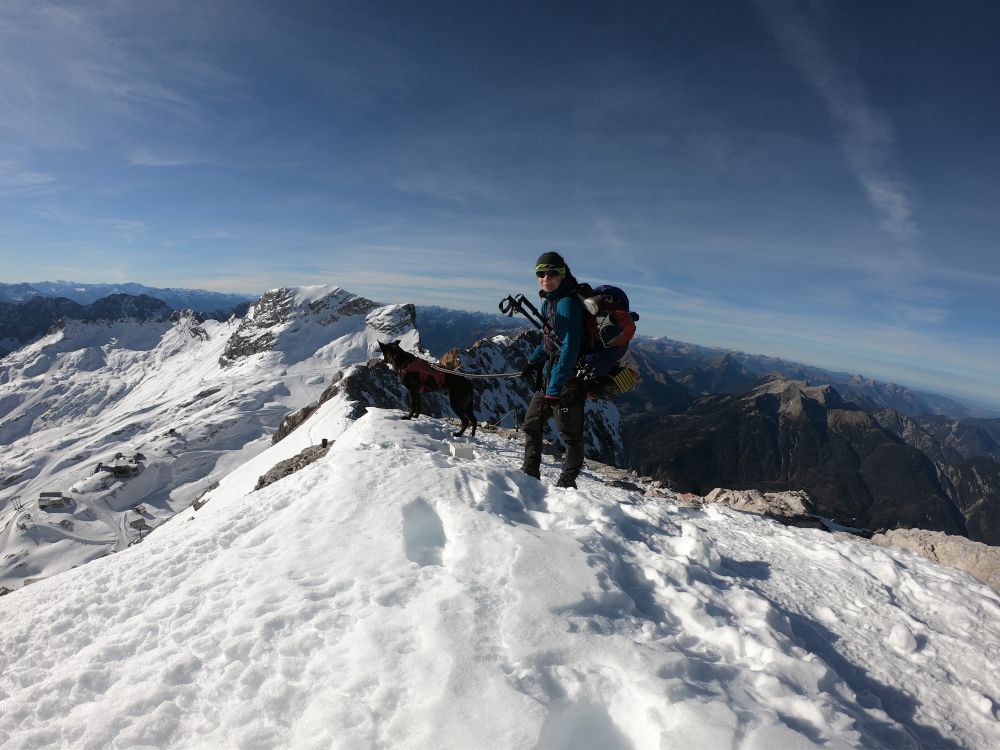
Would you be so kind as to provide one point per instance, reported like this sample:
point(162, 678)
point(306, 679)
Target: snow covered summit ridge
point(298, 322)
point(393, 595)
point(73, 400)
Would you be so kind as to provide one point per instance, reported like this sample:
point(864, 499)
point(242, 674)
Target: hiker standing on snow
point(561, 395)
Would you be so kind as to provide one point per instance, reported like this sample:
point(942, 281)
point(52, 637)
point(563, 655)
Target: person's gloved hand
point(558, 403)
point(529, 370)
point(571, 395)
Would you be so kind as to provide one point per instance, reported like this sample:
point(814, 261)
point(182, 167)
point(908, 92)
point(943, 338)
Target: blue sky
point(813, 180)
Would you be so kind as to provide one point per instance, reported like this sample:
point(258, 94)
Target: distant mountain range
point(872, 454)
point(868, 469)
point(442, 329)
point(199, 300)
point(673, 370)
point(27, 311)
point(702, 370)
point(191, 393)
point(26, 321)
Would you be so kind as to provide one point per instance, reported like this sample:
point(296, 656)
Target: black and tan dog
point(419, 377)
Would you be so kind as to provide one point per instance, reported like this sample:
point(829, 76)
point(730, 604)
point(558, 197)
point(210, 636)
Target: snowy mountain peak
point(297, 323)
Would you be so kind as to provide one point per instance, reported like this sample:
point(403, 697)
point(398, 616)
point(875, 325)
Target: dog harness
point(429, 378)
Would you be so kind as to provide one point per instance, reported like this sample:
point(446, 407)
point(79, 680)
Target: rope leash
point(474, 375)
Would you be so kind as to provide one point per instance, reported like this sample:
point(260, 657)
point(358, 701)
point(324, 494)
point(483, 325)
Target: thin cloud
point(452, 186)
point(129, 230)
point(147, 158)
point(213, 234)
point(866, 136)
point(16, 178)
point(66, 68)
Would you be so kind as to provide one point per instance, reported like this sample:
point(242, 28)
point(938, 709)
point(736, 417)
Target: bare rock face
point(291, 319)
point(978, 560)
point(789, 435)
point(370, 384)
point(790, 504)
point(254, 334)
point(291, 465)
point(390, 321)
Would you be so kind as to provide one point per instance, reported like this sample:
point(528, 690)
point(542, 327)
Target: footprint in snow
point(423, 534)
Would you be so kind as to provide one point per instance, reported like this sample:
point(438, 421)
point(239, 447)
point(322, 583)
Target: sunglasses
point(547, 274)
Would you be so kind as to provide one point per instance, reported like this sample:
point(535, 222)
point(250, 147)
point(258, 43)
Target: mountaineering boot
point(532, 470)
point(566, 479)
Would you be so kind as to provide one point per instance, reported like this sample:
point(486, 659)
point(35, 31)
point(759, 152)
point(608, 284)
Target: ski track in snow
point(393, 596)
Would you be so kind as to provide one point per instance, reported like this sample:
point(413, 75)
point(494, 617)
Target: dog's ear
point(396, 342)
point(381, 347)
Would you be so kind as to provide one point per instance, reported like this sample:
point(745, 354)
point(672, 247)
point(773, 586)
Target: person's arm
point(538, 356)
point(569, 325)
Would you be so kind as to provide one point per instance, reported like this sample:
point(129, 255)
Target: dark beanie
point(550, 260)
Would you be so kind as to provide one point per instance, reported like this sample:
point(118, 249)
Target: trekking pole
point(521, 304)
point(505, 415)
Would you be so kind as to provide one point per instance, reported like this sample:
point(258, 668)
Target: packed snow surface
point(392, 595)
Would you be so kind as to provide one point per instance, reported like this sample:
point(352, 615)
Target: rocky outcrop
point(291, 465)
point(979, 560)
point(255, 334)
point(390, 321)
point(792, 508)
point(785, 504)
point(370, 384)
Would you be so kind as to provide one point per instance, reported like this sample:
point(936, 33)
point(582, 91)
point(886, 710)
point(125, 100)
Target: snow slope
point(89, 391)
point(392, 595)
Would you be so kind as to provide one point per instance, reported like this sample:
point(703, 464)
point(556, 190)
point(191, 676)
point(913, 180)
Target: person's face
point(549, 281)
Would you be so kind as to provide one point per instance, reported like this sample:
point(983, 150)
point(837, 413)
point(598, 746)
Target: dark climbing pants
point(568, 413)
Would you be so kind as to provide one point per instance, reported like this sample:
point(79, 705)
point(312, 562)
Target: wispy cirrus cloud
point(145, 157)
point(67, 69)
point(16, 178)
point(213, 234)
point(865, 134)
point(129, 230)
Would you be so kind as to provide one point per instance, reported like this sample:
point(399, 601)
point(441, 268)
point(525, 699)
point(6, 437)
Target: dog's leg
point(460, 398)
point(472, 413)
point(413, 391)
point(414, 399)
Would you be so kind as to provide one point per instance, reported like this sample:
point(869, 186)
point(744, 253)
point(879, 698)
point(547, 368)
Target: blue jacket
point(564, 311)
